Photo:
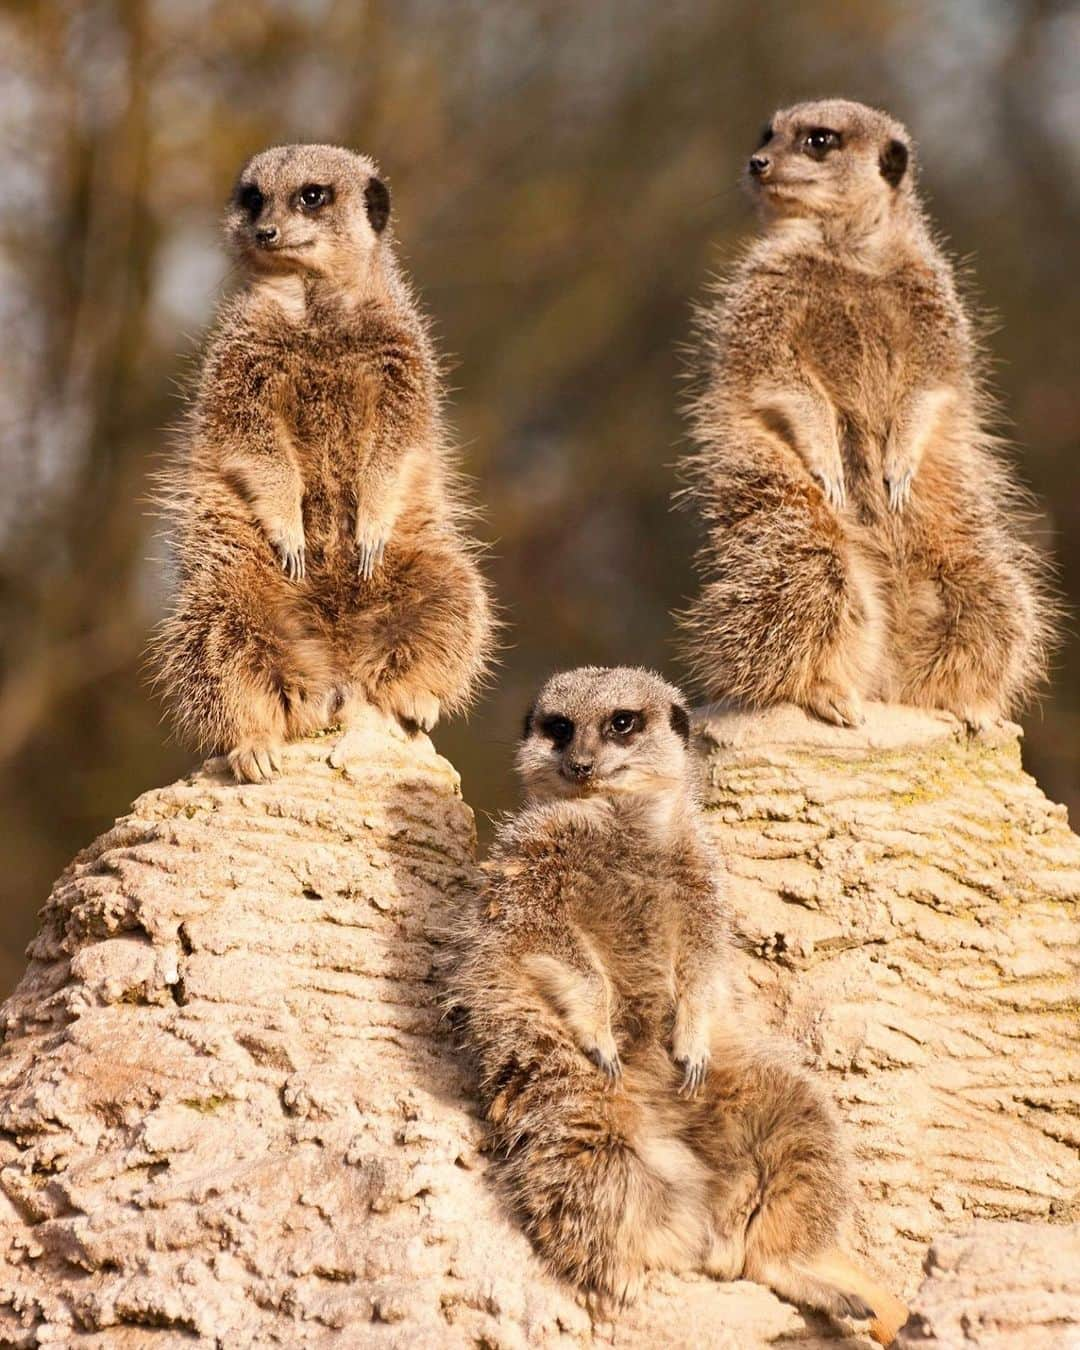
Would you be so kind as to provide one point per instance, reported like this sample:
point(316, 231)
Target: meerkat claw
point(417, 711)
point(899, 490)
point(832, 704)
point(833, 487)
point(979, 718)
point(371, 555)
point(293, 562)
point(255, 763)
point(609, 1065)
point(694, 1071)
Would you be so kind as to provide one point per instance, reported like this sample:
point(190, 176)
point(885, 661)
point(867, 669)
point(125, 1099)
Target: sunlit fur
point(638, 1120)
point(863, 531)
point(314, 452)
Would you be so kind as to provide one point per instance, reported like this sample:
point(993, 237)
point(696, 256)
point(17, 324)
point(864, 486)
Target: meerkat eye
point(250, 199)
point(312, 196)
point(560, 730)
point(623, 722)
point(820, 141)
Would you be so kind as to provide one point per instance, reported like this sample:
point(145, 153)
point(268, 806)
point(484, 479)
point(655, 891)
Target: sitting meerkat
point(862, 531)
point(639, 1124)
point(316, 516)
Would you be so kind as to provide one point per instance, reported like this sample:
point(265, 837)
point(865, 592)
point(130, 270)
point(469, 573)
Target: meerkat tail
point(837, 1268)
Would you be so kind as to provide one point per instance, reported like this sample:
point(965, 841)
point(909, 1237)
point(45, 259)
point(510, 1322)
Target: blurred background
point(564, 180)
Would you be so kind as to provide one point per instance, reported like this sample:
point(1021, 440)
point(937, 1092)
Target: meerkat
point(316, 515)
point(639, 1123)
point(862, 530)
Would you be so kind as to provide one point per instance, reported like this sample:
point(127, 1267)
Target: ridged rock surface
point(910, 902)
point(1000, 1286)
point(229, 1115)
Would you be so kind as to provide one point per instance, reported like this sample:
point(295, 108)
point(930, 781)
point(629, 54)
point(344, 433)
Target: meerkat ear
point(680, 722)
point(377, 197)
point(893, 162)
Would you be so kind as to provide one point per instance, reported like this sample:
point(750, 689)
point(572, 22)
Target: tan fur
point(638, 1121)
point(317, 521)
point(863, 531)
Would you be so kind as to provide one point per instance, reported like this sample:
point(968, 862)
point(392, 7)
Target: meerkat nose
point(580, 769)
point(759, 165)
point(266, 234)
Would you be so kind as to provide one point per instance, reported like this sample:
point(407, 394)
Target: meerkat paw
point(289, 545)
point(979, 717)
point(414, 708)
point(832, 484)
point(606, 1058)
point(898, 487)
point(371, 555)
point(831, 703)
point(255, 763)
point(372, 536)
point(604, 1305)
point(695, 1070)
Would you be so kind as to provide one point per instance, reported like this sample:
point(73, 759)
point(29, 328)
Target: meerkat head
point(603, 731)
point(308, 209)
point(831, 159)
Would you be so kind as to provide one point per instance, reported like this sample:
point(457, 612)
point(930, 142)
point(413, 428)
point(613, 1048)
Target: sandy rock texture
point(1000, 1286)
point(230, 1115)
point(910, 904)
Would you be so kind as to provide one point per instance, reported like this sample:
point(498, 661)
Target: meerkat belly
point(633, 939)
point(328, 421)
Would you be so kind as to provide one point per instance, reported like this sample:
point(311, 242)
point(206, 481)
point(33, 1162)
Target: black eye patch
point(558, 730)
point(766, 135)
point(249, 199)
point(893, 162)
point(680, 722)
point(377, 201)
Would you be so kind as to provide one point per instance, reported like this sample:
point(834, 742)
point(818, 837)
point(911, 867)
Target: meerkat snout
point(759, 165)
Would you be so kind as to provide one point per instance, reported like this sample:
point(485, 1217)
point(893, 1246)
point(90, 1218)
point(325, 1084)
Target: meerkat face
point(598, 731)
point(308, 209)
point(831, 158)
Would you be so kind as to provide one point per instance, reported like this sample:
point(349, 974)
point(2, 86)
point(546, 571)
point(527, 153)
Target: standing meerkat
point(862, 530)
point(316, 516)
point(639, 1124)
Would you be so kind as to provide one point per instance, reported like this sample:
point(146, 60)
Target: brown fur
point(863, 531)
point(640, 1124)
point(316, 517)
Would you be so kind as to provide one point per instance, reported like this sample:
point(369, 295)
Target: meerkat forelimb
point(800, 416)
point(916, 425)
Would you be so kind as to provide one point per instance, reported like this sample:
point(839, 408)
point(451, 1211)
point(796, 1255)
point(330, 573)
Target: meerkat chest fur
point(866, 335)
